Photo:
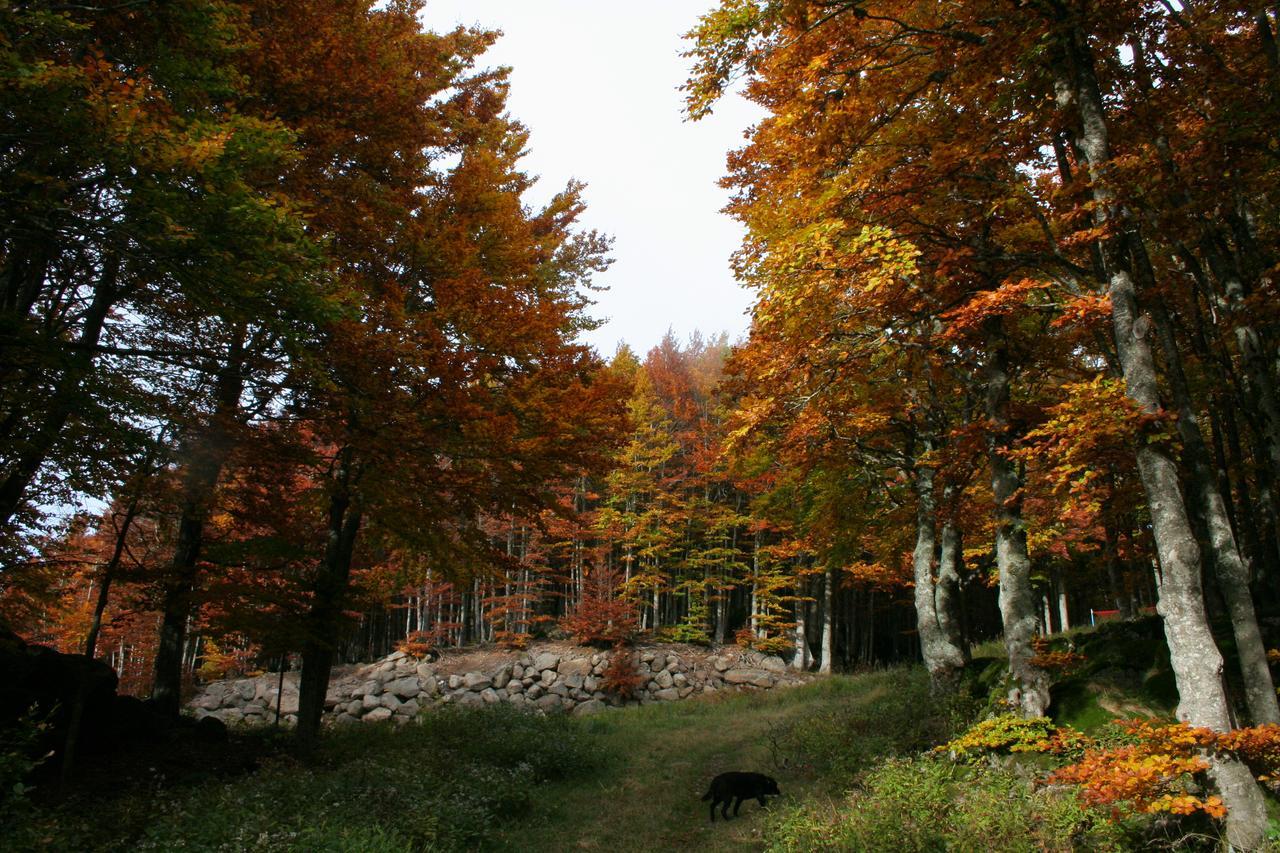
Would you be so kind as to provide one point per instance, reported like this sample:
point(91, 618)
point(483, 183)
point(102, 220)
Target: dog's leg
point(724, 812)
point(762, 803)
point(737, 805)
point(714, 803)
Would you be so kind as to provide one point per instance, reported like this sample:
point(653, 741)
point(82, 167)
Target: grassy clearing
point(658, 759)
point(498, 779)
point(850, 754)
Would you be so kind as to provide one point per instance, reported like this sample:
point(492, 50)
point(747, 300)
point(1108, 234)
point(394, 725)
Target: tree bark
point(1196, 662)
point(946, 593)
point(208, 452)
point(324, 619)
point(1229, 567)
point(828, 621)
point(1029, 688)
point(942, 659)
point(802, 658)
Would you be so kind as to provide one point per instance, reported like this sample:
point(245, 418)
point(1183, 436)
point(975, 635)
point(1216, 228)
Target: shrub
point(929, 803)
point(1058, 662)
point(1157, 768)
point(1009, 733)
point(601, 622)
point(622, 676)
point(774, 645)
point(420, 644)
point(516, 640)
point(219, 663)
point(20, 754)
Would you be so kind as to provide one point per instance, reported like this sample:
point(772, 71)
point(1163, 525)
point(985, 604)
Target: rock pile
point(553, 679)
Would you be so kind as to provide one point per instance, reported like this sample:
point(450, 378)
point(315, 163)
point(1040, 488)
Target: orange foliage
point(622, 677)
point(1162, 768)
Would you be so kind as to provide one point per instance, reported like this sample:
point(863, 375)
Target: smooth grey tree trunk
point(1029, 685)
point(1229, 567)
point(942, 659)
point(828, 621)
point(802, 659)
point(946, 592)
point(1196, 662)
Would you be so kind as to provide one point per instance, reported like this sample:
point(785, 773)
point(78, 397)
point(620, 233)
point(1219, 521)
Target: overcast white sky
point(596, 82)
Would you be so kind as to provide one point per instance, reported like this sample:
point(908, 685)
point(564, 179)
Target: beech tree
point(1008, 191)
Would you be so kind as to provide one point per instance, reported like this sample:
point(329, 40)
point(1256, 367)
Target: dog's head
point(771, 786)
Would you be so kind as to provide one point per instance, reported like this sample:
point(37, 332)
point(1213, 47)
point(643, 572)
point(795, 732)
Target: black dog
point(735, 787)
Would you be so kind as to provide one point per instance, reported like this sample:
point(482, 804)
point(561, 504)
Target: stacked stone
point(395, 688)
point(398, 687)
point(249, 701)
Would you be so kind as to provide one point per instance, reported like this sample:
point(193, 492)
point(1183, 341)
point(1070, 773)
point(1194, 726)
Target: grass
point(441, 785)
point(658, 760)
point(850, 753)
point(497, 779)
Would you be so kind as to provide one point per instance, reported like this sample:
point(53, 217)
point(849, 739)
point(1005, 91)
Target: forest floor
point(851, 754)
point(659, 759)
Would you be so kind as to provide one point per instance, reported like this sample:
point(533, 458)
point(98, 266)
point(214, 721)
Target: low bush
point(20, 754)
point(622, 677)
point(930, 803)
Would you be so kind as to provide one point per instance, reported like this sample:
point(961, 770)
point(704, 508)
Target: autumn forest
point(292, 373)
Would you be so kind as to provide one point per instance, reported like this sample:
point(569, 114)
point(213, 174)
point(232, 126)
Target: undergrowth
point(440, 785)
point(931, 803)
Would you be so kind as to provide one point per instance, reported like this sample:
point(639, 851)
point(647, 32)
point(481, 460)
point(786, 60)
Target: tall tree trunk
point(942, 658)
point(828, 621)
point(1064, 611)
point(1229, 567)
point(1114, 579)
point(324, 620)
point(947, 595)
point(1196, 662)
point(1029, 688)
point(801, 660)
point(108, 575)
point(208, 452)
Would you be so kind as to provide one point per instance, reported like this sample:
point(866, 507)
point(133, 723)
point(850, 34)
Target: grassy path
point(657, 762)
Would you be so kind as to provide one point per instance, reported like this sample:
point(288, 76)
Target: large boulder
point(580, 667)
point(545, 661)
point(549, 703)
point(773, 663)
point(753, 677)
point(47, 684)
point(477, 681)
point(404, 688)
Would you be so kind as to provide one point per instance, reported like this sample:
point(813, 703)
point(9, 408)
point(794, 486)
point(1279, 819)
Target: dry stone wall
point(545, 679)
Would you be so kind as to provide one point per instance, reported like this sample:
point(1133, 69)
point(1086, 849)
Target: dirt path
point(658, 760)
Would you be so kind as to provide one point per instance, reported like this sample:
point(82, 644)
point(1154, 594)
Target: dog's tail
point(707, 795)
